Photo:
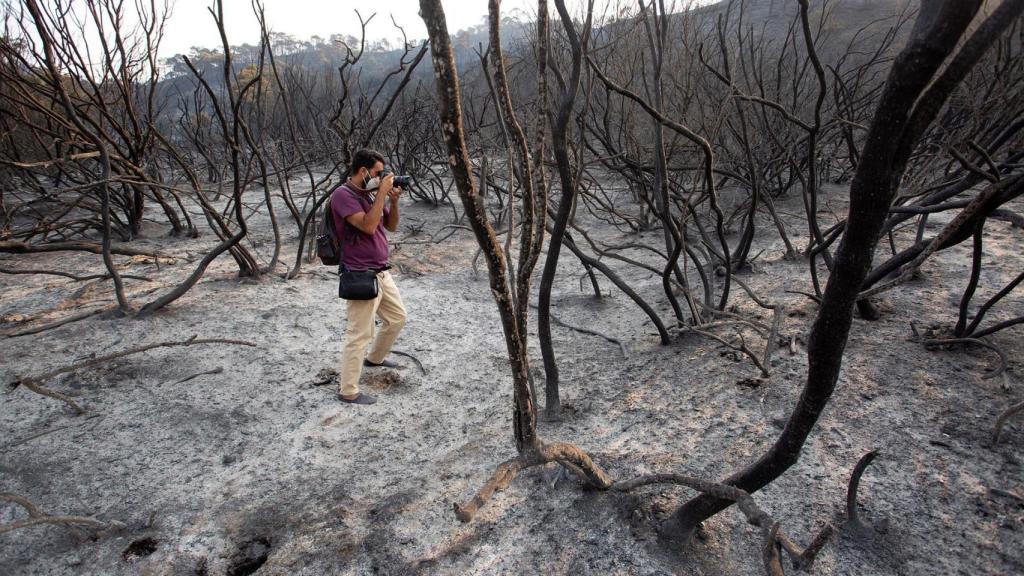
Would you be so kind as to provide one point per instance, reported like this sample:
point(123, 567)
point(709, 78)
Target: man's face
point(373, 172)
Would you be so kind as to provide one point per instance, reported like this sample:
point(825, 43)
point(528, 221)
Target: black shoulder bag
point(357, 284)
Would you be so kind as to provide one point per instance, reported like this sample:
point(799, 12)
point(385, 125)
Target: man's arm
point(391, 221)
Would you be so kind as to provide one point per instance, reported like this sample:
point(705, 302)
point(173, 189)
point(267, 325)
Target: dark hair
point(365, 158)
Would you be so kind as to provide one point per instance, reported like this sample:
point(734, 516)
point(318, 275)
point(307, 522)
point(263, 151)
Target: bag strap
point(329, 208)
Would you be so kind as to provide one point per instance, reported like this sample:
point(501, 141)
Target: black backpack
point(328, 238)
point(328, 242)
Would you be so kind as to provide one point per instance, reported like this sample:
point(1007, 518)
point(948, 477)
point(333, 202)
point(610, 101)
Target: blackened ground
point(257, 466)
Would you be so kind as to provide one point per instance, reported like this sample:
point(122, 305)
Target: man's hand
point(391, 221)
point(386, 184)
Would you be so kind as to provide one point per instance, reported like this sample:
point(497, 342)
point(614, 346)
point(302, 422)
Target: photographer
point(363, 207)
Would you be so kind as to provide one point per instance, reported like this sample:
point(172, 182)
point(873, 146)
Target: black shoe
point(384, 364)
point(359, 399)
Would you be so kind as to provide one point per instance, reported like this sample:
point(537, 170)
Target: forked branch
point(37, 518)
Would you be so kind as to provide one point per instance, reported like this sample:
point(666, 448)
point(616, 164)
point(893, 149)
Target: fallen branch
point(806, 559)
point(35, 383)
point(73, 318)
point(1006, 415)
point(217, 370)
point(433, 237)
point(778, 316)
point(69, 275)
point(741, 348)
point(413, 358)
point(48, 163)
point(46, 432)
point(976, 210)
point(44, 391)
point(104, 359)
point(761, 329)
point(62, 322)
point(851, 490)
point(979, 342)
point(36, 518)
point(13, 247)
point(1006, 494)
point(1015, 220)
point(564, 324)
point(752, 295)
point(817, 300)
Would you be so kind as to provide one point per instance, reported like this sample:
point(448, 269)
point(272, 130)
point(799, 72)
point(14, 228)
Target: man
point(363, 207)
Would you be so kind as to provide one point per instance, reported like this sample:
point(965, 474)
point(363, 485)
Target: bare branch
point(851, 490)
point(1006, 415)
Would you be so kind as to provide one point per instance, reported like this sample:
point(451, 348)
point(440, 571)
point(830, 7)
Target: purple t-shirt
point(360, 251)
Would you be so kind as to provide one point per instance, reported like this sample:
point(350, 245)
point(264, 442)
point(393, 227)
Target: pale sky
point(192, 25)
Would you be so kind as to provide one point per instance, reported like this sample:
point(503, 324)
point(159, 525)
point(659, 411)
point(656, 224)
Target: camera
point(399, 181)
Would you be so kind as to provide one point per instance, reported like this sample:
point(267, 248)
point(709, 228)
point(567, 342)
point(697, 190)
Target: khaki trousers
point(360, 328)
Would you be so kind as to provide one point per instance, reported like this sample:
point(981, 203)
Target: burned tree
point(532, 450)
point(921, 80)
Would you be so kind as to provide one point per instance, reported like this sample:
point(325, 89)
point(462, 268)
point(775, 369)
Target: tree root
point(851, 489)
point(997, 430)
point(568, 455)
point(770, 552)
point(579, 462)
point(502, 477)
point(773, 536)
point(36, 518)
